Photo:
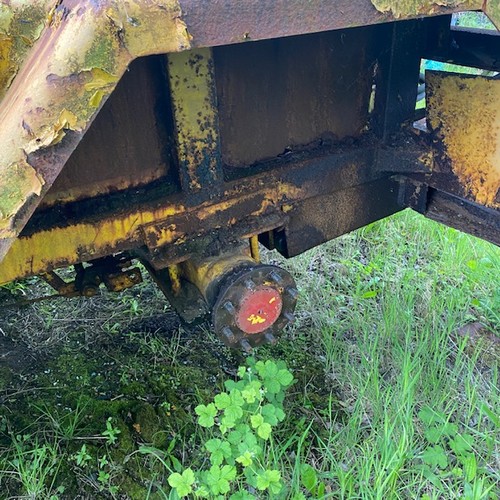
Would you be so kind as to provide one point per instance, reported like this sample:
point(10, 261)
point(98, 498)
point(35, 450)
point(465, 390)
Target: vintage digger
point(181, 133)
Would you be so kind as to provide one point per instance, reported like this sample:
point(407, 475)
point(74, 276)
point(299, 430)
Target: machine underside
point(199, 155)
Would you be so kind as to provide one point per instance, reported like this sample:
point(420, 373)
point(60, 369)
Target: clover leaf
point(182, 483)
point(206, 414)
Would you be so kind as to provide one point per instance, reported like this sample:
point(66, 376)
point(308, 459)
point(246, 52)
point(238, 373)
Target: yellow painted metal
point(84, 49)
point(193, 97)
point(401, 9)
point(86, 240)
point(464, 114)
point(175, 278)
point(254, 248)
point(203, 272)
point(64, 246)
point(21, 24)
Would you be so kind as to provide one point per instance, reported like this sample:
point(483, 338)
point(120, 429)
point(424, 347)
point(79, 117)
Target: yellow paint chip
point(255, 319)
point(463, 113)
point(23, 183)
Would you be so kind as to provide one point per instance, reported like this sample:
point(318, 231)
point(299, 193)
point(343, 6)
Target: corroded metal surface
point(464, 116)
point(83, 51)
point(21, 24)
point(175, 231)
point(127, 144)
point(192, 89)
point(74, 53)
point(410, 8)
point(222, 22)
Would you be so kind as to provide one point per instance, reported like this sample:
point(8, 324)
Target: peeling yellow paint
point(197, 127)
point(464, 113)
point(67, 245)
point(99, 85)
point(411, 8)
point(53, 134)
point(73, 67)
point(21, 24)
point(255, 319)
point(24, 181)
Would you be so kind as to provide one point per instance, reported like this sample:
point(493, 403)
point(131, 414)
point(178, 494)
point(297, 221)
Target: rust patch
point(25, 182)
point(464, 114)
point(410, 8)
point(21, 24)
point(492, 10)
point(74, 66)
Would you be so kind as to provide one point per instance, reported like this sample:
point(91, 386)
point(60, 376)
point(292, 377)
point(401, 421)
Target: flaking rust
point(492, 10)
point(464, 115)
point(21, 24)
point(82, 50)
point(410, 8)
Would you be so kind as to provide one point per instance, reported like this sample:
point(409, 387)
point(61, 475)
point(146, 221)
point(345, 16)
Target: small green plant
point(242, 420)
point(81, 457)
point(104, 476)
point(111, 432)
point(450, 453)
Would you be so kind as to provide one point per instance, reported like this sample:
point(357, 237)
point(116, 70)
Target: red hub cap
point(259, 309)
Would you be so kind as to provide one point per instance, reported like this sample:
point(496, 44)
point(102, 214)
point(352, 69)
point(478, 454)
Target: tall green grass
point(381, 334)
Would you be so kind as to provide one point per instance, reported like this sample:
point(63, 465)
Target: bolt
point(245, 345)
point(228, 306)
point(269, 337)
point(228, 334)
point(293, 292)
point(289, 317)
point(276, 277)
point(249, 284)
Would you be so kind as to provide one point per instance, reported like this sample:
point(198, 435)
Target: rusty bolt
point(269, 337)
point(228, 306)
point(249, 284)
point(228, 334)
point(276, 277)
point(245, 345)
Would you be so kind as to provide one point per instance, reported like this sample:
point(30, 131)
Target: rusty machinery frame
point(58, 70)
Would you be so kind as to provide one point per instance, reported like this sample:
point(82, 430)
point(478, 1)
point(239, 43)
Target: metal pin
point(249, 284)
point(276, 277)
point(269, 337)
point(228, 334)
point(293, 292)
point(228, 306)
point(245, 345)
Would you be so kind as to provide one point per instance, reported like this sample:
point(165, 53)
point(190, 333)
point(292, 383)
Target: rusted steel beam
point(73, 67)
point(464, 215)
point(222, 22)
point(174, 228)
point(397, 73)
point(464, 119)
point(85, 47)
point(468, 47)
point(194, 102)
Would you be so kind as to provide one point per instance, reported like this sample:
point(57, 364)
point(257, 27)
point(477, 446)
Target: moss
point(134, 389)
point(409, 8)
point(148, 425)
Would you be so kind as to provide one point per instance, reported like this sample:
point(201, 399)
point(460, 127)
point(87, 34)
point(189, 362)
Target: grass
point(395, 320)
